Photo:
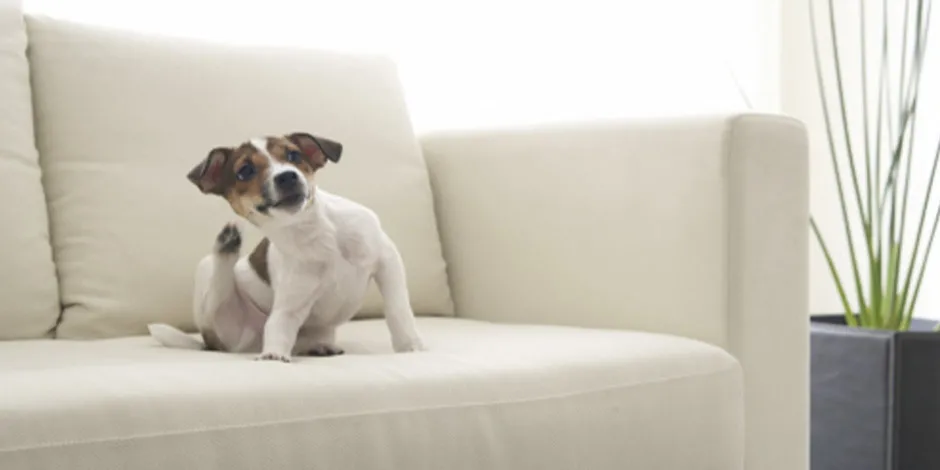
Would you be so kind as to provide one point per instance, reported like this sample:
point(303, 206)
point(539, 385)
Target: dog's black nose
point(286, 180)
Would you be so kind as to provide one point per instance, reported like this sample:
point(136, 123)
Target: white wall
point(495, 62)
point(799, 97)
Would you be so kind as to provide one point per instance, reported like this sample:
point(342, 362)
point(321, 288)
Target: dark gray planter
point(875, 397)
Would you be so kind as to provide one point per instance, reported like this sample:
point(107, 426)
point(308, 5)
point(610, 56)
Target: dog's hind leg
point(214, 292)
point(390, 279)
point(215, 284)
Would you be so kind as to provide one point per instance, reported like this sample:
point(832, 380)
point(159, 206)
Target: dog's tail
point(174, 338)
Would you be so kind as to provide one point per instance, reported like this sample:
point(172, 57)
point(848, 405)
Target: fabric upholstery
point(485, 396)
point(683, 241)
point(695, 227)
point(123, 118)
point(586, 223)
point(28, 286)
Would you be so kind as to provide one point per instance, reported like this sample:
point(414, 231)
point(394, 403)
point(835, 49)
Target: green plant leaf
point(864, 311)
point(849, 314)
point(889, 301)
point(882, 203)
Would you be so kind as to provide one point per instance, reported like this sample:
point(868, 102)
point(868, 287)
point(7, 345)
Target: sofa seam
point(54, 254)
point(731, 368)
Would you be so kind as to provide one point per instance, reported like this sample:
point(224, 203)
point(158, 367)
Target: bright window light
point(491, 63)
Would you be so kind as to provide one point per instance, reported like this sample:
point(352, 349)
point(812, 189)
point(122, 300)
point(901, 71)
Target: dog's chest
point(334, 272)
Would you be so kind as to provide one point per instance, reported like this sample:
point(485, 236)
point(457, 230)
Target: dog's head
point(267, 177)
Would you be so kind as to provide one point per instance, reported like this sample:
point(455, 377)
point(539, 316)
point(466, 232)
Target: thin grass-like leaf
point(891, 285)
point(849, 314)
point(896, 153)
point(889, 151)
point(833, 34)
point(866, 125)
point(865, 122)
point(923, 264)
point(890, 298)
point(908, 309)
point(877, 219)
point(905, 88)
point(863, 311)
point(901, 87)
point(911, 102)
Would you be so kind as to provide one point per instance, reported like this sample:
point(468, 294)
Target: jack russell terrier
point(309, 274)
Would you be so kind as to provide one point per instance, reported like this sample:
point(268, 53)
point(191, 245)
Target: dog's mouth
point(290, 201)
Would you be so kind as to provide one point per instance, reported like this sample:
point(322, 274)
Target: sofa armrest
point(695, 227)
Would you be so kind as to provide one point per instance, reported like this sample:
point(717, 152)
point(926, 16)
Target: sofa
point(599, 295)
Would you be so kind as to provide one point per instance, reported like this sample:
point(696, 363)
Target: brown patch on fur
point(210, 174)
point(316, 150)
point(216, 174)
point(258, 259)
point(280, 147)
point(244, 196)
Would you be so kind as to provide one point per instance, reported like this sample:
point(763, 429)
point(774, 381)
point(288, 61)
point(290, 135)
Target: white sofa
point(619, 294)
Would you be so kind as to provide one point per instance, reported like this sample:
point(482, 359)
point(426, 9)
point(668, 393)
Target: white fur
point(172, 337)
point(321, 259)
point(261, 144)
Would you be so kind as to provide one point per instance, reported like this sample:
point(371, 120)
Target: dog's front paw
point(409, 345)
point(324, 350)
point(229, 240)
point(272, 356)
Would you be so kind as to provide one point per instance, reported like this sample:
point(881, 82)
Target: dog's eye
point(245, 173)
point(293, 156)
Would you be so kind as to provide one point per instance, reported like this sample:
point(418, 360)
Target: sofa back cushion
point(29, 295)
point(122, 118)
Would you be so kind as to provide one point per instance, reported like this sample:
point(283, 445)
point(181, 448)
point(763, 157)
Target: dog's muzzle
point(289, 190)
point(287, 182)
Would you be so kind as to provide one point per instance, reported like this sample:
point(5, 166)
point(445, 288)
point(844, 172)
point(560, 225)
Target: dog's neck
point(295, 234)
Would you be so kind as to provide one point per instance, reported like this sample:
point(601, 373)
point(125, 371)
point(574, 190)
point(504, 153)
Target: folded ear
point(319, 149)
point(207, 175)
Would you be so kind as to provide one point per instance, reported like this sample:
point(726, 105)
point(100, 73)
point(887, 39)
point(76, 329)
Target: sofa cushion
point(122, 119)
point(28, 286)
point(484, 396)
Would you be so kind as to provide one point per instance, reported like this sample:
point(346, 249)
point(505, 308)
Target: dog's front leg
point(292, 305)
point(392, 284)
point(317, 342)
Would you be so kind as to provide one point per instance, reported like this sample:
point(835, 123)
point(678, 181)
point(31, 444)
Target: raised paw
point(229, 240)
point(324, 350)
point(269, 356)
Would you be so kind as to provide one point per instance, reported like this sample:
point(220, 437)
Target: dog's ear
point(207, 175)
point(318, 149)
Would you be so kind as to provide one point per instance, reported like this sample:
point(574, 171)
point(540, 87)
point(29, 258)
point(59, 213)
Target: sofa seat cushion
point(484, 396)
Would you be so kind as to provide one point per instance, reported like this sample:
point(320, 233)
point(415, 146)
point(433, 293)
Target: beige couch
point(599, 295)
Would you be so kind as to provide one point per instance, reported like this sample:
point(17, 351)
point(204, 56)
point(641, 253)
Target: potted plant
point(875, 368)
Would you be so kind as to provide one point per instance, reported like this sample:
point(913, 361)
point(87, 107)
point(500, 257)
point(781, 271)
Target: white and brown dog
point(309, 274)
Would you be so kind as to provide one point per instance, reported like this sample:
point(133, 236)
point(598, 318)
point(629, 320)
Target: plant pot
point(875, 397)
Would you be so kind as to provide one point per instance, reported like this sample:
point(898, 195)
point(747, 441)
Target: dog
point(310, 272)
